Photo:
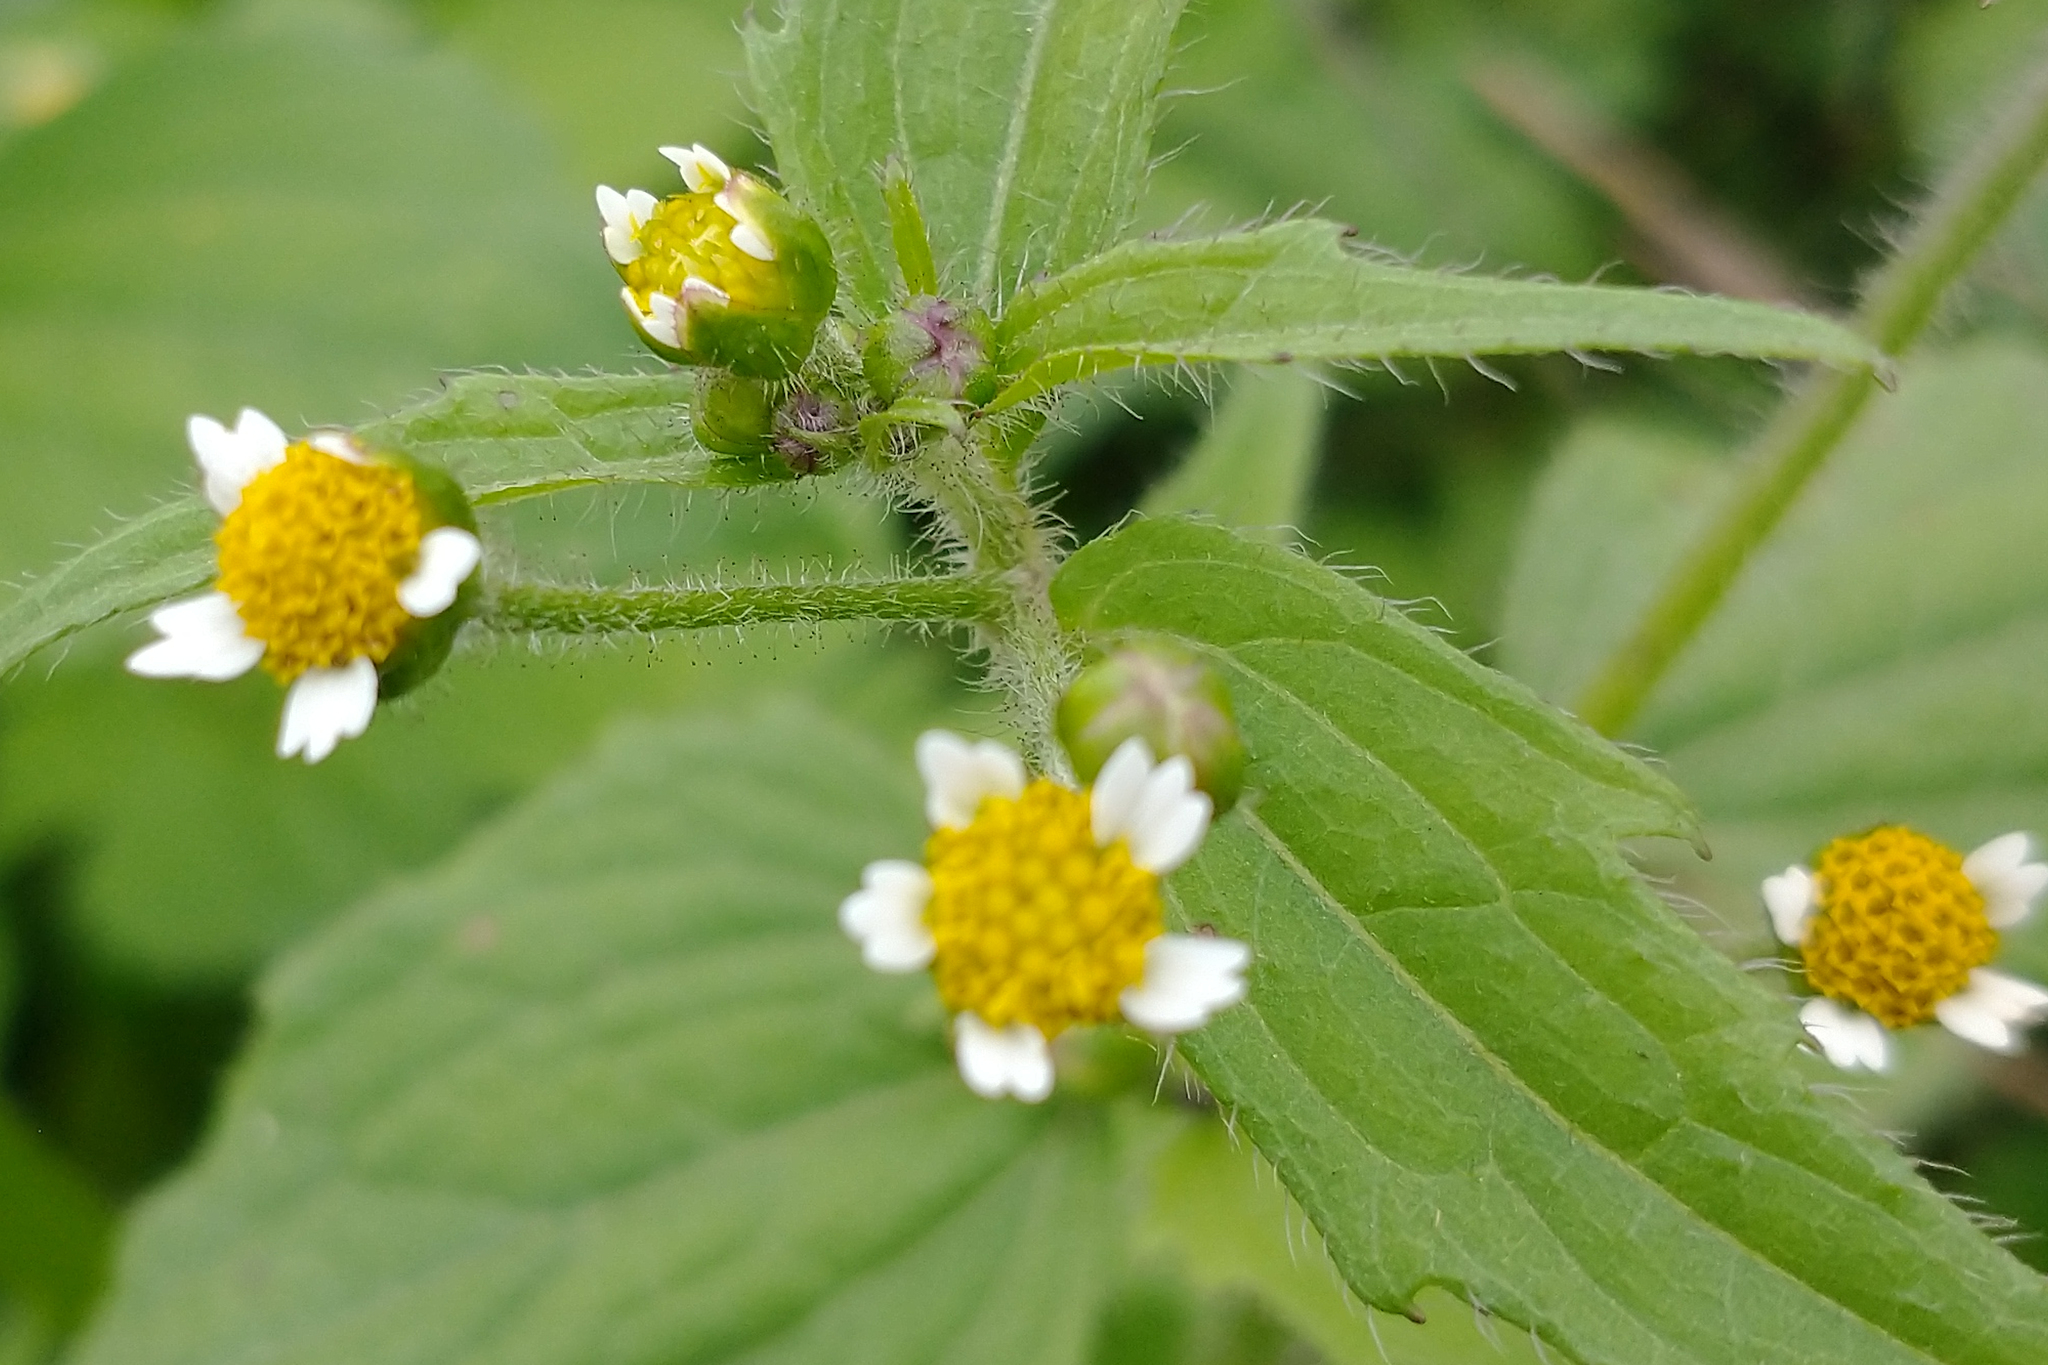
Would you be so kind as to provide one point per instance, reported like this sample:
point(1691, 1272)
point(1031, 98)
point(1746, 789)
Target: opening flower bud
point(727, 274)
point(932, 348)
point(1159, 692)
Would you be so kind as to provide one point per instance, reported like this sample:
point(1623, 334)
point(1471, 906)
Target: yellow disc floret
point(690, 235)
point(1899, 928)
point(313, 557)
point(1034, 923)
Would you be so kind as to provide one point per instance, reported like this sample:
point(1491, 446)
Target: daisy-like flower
point(727, 274)
point(1895, 930)
point(338, 570)
point(1037, 907)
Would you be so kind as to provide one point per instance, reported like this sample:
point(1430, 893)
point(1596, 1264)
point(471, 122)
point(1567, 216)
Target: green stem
point(1975, 200)
point(537, 609)
point(972, 485)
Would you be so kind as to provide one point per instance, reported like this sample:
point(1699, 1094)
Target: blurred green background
point(316, 206)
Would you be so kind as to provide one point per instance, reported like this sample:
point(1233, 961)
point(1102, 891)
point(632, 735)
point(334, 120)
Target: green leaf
point(611, 1086)
point(1253, 466)
point(1295, 292)
point(503, 437)
point(1479, 1051)
point(1025, 128)
point(1879, 659)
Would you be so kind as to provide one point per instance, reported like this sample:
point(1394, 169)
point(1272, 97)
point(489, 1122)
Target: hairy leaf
point(1295, 291)
point(1252, 468)
point(1479, 1051)
point(1025, 127)
point(502, 436)
point(610, 1086)
point(1880, 659)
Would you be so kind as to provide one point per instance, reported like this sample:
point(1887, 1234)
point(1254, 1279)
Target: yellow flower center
point(1900, 926)
point(313, 557)
point(690, 235)
point(1034, 923)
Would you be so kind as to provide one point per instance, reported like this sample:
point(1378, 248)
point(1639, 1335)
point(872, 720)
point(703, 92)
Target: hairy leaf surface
point(610, 1086)
point(1295, 291)
point(503, 437)
point(1025, 127)
point(1479, 1051)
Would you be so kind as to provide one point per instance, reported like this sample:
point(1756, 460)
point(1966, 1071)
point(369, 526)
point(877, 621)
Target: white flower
point(624, 215)
point(1004, 842)
point(211, 637)
point(1956, 903)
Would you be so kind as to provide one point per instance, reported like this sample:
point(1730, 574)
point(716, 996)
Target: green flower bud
point(932, 348)
point(1164, 695)
point(733, 415)
point(729, 274)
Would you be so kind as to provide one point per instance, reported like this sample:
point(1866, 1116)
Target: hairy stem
point(972, 486)
point(533, 608)
point(1972, 204)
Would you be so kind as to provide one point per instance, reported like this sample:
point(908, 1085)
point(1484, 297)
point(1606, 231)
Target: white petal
point(748, 238)
point(1171, 818)
point(1789, 897)
point(640, 207)
point(202, 638)
point(886, 917)
point(1187, 979)
point(339, 444)
point(621, 239)
point(1113, 799)
point(326, 706)
point(661, 324)
point(996, 1062)
point(1849, 1037)
point(229, 459)
point(448, 556)
point(1994, 1011)
point(960, 774)
point(2008, 882)
point(698, 290)
point(700, 167)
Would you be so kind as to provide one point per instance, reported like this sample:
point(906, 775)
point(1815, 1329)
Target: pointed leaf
point(1295, 291)
point(1480, 1053)
point(1025, 128)
point(502, 436)
point(611, 1086)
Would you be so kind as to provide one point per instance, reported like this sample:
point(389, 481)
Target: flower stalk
point(1977, 198)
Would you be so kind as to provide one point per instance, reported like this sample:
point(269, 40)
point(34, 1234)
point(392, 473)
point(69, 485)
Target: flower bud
point(932, 348)
point(733, 415)
point(728, 274)
point(1168, 697)
point(813, 431)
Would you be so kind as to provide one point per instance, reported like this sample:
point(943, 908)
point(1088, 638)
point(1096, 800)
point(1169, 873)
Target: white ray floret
point(701, 168)
point(624, 215)
point(1847, 1036)
point(748, 238)
point(886, 916)
point(662, 321)
point(326, 706)
point(448, 556)
point(1994, 1010)
point(1792, 898)
point(229, 457)
point(1155, 807)
point(201, 637)
point(959, 774)
point(2003, 873)
point(1187, 979)
point(1007, 1061)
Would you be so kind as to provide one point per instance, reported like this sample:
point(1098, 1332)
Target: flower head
point(727, 274)
point(1037, 907)
point(1895, 930)
point(333, 562)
